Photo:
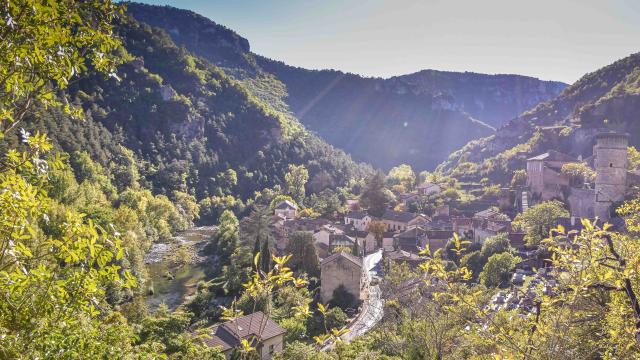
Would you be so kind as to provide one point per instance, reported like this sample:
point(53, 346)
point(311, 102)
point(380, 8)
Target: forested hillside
point(416, 119)
point(606, 99)
point(113, 139)
point(190, 127)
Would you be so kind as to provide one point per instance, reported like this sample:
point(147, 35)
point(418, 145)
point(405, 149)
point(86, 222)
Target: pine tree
point(256, 247)
point(265, 257)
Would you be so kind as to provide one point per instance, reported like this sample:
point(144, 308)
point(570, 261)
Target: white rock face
point(167, 92)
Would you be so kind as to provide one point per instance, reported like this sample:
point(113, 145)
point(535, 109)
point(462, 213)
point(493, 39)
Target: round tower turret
point(610, 163)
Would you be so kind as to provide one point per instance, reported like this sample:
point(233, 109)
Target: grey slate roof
point(439, 234)
point(254, 326)
point(402, 255)
point(553, 155)
point(400, 216)
point(286, 204)
point(356, 215)
point(354, 259)
point(341, 240)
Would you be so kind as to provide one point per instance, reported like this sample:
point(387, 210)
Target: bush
point(495, 245)
point(473, 261)
point(497, 269)
point(334, 317)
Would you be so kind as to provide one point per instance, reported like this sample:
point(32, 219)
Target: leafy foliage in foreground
point(68, 242)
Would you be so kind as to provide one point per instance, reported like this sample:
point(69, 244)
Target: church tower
point(610, 164)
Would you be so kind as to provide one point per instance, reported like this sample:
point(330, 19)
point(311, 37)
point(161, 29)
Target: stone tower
point(610, 164)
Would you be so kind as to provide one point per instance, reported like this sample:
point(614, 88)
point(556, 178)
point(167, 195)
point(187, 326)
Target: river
point(171, 284)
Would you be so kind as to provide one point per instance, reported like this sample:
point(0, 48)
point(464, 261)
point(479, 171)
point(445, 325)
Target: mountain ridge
point(338, 106)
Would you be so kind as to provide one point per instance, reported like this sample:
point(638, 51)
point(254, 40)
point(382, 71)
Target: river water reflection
point(174, 285)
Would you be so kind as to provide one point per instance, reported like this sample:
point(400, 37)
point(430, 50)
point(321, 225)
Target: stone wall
point(340, 271)
point(611, 169)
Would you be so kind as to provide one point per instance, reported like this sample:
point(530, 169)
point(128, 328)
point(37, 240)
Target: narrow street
point(372, 307)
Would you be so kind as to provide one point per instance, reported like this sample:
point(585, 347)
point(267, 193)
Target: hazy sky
point(550, 39)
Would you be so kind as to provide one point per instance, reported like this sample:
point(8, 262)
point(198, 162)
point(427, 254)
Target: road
point(372, 307)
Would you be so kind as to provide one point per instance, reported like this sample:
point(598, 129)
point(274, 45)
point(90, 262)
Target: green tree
point(225, 240)
point(45, 47)
point(303, 254)
point(327, 203)
point(296, 178)
point(496, 244)
point(590, 307)
point(333, 318)
point(539, 219)
point(519, 178)
point(474, 261)
point(257, 228)
point(265, 256)
point(124, 169)
point(298, 350)
point(278, 199)
point(498, 268)
point(374, 197)
point(578, 173)
point(187, 206)
point(402, 175)
point(377, 228)
point(53, 284)
point(228, 178)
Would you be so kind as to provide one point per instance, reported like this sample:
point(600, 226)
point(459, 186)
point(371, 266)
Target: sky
point(549, 39)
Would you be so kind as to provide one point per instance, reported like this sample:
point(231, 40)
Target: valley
point(167, 192)
point(415, 119)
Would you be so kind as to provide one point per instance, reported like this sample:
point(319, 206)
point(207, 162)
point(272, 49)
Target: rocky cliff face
point(494, 99)
point(417, 118)
point(606, 99)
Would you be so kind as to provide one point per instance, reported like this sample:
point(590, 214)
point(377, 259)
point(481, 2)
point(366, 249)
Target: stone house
point(544, 178)
point(437, 239)
point(428, 189)
point(286, 227)
point(462, 226)
point(388, 242)
point(410, 240)
point(340, 269)
point(322, 236)
point(359, 219)
point(408, 198)
point(488, 228)
point(286, 209)
point(402, 220)
point(609, 160)
point(366, 240)
point(488, 222)
point(257, 328)
point(341, 240)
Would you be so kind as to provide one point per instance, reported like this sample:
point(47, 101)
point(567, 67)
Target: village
point(355, 251)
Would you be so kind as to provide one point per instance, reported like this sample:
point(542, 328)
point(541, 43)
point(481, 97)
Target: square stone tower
point(611, 171)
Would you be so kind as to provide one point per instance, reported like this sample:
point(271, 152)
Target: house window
point(272, 349)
